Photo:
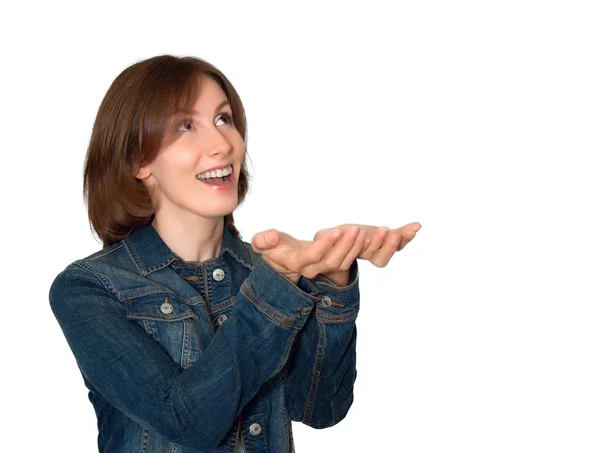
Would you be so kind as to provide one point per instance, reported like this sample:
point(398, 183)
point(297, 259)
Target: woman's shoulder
point(96, 269)
point(107, 257)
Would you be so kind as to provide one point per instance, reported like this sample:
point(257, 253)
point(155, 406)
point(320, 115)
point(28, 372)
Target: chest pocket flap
point(159, 307)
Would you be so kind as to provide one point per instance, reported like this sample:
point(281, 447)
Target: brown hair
point(130, 130)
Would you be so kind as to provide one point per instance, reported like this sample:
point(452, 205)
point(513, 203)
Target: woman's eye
point(187, 125)
point(182, 127)
point(227, 117)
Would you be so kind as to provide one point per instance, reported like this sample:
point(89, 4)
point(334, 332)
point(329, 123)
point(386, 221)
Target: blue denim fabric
point(167, 372)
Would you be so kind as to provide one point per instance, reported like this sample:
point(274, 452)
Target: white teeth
point(216, 173)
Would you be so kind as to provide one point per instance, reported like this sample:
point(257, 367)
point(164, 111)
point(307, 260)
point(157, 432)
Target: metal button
point(221, 318)
point(305, 311)
point(218, 274)
point(326, 301)
point(255, 429)
point(166, 308)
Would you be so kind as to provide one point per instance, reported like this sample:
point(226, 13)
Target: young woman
point(188, 338)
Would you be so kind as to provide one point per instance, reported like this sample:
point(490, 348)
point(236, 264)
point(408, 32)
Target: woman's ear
point(143, 172)
point(140, 172)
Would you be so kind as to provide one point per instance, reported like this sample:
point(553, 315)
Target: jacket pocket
point(170, 322)
point(159, 307)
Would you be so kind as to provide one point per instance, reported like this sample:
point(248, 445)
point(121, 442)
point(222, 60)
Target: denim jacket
point(170, 368)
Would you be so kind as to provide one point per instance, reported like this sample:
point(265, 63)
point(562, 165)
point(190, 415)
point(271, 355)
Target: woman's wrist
point(291, 276)
point(340, 278)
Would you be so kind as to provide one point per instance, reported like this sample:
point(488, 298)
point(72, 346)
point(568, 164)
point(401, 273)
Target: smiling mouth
point(217, 180)
point(222, 180)
point(216, 174)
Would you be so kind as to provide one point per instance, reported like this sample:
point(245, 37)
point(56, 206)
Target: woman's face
point(205, 140)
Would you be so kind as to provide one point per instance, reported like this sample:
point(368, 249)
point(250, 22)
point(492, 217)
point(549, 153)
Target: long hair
point(130, 130)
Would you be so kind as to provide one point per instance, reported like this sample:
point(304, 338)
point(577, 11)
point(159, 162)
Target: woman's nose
point(218, 144)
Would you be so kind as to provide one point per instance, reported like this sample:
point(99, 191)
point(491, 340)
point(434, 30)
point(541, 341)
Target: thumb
point(265, 240)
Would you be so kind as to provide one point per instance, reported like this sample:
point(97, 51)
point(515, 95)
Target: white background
point(478, 119)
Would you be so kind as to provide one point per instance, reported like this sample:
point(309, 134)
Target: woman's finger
point(376, 242)
point(318, 249)
point(382, 257)
point(354, 251)
point(336, 255)
point(406, 238)
point(340, 257)
point(408, 233)
point(365, 246)
point(265, 240)
point(413, 227)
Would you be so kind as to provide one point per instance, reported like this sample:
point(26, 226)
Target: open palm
point(381, 242)
point(293, 257)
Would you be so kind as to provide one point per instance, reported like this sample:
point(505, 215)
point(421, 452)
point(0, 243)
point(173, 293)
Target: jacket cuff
point(334, 302)
point(277, 297)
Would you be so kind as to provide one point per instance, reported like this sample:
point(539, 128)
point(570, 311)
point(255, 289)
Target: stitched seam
point(272, 314)
point(208, 302)
point(168, 260)
point(150, 329)
point(149, 290)
point(157, 317)
point(247, 253)
point(232, 447)
point(185, 349)
point(107, 252)
point(136, 259)
point(285, 356)
point(284, 414)
point(131, 294)
point(238, 259)
point(333, 319)
point(264, 432)
point(308, 411)
point(222, 305)
point(144, 443)
point(105, 282)
point(245, 441)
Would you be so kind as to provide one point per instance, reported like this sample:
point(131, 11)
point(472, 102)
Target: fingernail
point(271, 236)
point(396, 240)
point(353, 232)
point(336, 234)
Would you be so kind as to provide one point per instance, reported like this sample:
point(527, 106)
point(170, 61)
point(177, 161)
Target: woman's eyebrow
point(195, 112)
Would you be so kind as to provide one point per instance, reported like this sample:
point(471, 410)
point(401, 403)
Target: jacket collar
point(151, 253)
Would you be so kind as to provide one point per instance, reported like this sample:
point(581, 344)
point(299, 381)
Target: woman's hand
point(381, 242)
point(333, 251)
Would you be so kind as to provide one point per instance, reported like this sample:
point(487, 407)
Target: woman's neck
point(197, 240)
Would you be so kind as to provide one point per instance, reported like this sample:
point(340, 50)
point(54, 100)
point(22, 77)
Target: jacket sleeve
point(196, 406)
point(321, 369)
